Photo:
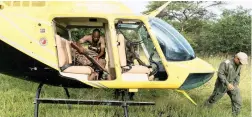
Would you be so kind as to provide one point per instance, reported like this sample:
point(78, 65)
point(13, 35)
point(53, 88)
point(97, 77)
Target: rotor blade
point(158, 10)
point(187, 96)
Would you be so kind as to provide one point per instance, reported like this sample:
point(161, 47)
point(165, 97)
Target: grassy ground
point(17, 96)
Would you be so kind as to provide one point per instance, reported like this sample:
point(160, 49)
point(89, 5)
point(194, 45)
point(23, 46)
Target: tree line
point(207, 32)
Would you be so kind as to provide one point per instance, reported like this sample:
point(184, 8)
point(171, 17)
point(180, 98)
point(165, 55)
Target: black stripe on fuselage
point(19, 65)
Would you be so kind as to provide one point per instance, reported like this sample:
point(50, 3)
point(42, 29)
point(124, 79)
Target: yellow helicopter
point(35, 41)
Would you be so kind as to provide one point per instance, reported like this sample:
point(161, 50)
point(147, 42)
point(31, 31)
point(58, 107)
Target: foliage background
point(208, 33)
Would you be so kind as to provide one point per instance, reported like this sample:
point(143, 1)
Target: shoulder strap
point(64, 67)
point(227, 61)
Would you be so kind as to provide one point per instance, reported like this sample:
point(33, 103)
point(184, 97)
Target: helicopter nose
point(195, 80)
point(199, 73)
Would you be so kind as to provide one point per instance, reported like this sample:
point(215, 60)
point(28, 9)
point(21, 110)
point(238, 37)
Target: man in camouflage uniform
point(228, 81)
point(131, 55)
point(95, 50)
point(80, 59)
point(96, 46)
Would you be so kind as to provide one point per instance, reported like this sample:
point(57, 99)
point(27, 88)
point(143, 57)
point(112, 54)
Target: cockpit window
point(174, 46)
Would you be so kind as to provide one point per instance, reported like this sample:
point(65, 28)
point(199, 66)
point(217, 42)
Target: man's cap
point(243, 57)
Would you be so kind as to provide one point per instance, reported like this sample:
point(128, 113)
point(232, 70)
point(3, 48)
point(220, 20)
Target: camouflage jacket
point(228, 72)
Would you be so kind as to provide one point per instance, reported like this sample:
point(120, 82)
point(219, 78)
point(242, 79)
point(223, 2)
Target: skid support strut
point(124, 103)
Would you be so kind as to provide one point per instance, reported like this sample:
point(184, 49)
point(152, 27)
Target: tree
point(185, 15)
point(188, 17)
point(78, 33)
point(230, 34)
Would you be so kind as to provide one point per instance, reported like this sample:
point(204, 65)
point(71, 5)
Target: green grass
point(17, 97)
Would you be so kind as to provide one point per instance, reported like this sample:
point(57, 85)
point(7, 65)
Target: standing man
point(228, 82)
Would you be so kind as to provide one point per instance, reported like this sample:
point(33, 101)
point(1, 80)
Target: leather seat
point(65, 58)
point(136, 69)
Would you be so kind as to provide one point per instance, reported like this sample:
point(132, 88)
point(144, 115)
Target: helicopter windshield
point(174, 46)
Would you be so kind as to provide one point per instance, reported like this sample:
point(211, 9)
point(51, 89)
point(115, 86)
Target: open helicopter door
point(65, 59)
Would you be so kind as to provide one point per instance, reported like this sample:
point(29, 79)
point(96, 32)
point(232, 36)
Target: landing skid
point(124, 103)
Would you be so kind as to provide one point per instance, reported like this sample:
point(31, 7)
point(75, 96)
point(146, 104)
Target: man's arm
point(84, 39)
point(102, 52)
point(78, 48)
point(221, 73)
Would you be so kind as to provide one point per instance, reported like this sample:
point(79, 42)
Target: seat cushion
point(79, 70)
point(139, 69)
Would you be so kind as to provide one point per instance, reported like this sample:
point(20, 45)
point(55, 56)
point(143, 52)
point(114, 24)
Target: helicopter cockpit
point(173, 45)
point(135, 40)
point(82, 65)
point(137, 53)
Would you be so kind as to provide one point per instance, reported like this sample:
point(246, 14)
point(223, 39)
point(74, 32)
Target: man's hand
point(96, 58)
point(72, 42)
point(230, 87)
point(79, 49)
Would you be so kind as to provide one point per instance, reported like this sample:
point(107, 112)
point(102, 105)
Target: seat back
point(139, 71)
point(69, 51)
point(121, 49)
point(64, 51)
point(65, 58)
point(61, 49)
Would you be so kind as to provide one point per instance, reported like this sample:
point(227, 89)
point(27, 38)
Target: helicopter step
point(124, 103)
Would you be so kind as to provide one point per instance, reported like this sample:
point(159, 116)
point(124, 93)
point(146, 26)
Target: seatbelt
point(64, 67)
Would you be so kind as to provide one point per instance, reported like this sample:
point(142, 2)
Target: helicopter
point(35, 43)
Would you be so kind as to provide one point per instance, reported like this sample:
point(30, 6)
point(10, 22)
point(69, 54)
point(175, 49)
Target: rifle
point(83, 51)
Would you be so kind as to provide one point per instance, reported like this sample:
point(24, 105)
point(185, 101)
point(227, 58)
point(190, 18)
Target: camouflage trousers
point(82, 60)
point(234, 96)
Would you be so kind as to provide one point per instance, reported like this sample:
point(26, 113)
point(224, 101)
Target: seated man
point(131, 55)
point(96, 49)
point(80, 59)
point(97, 45)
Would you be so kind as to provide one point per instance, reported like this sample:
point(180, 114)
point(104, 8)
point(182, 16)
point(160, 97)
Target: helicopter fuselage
point(29, 50)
